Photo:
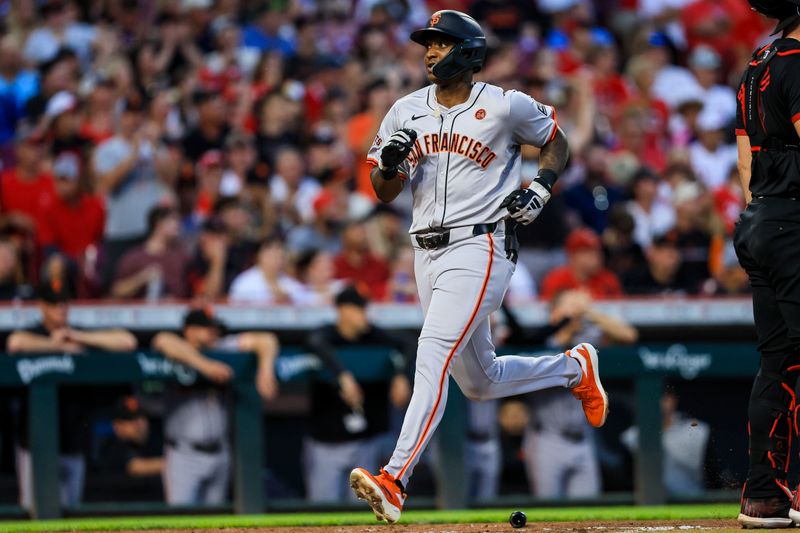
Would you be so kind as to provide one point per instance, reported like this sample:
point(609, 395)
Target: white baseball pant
point(459, 286)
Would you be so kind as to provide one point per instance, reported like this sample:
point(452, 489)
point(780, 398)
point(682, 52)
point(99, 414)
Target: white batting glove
point(524, 205)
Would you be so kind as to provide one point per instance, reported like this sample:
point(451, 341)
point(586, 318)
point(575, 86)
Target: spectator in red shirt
point(357, 264)
point(72, 220)
point(25, 186)
point(584, 269)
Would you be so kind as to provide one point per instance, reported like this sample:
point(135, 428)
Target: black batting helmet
point(786, 11)
point(470, 49)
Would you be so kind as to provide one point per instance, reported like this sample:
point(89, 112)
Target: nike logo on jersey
point(415, 117)
point(463, 145)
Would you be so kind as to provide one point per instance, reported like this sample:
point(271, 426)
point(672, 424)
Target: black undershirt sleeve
point(320, 344)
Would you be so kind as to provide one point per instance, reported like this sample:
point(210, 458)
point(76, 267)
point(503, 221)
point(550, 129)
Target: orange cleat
point(382, 492)
point(590, 391)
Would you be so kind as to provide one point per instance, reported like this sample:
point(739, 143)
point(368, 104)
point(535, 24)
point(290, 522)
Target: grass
point(670, 512)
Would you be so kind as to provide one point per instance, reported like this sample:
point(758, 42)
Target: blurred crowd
point(157, 149)
point(175, 440)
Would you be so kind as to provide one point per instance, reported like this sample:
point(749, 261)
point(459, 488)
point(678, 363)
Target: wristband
point(387, 173)
point(547, 178)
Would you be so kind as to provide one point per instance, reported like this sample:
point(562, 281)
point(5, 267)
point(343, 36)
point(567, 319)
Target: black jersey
point(768, 105)
point(328, 411)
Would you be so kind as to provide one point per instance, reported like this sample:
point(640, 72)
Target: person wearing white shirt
point(267, 282)
point(705, 64)
point(291, 189)
point(60, 29)
point(672, 83)
point(651, 216)
point(710, 157)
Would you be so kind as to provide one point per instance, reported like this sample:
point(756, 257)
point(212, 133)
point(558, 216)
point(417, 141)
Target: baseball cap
point(602, 37)
point(642, 174)
point(202, 317)
point(238, 138)
point(213, 225)
point(686, 191)
point(669, 238)
point(201, 96)
point(67, 166)
point(710, 119)
point(51, 6)
point(323, 200)
point(259, 174)
point(133, 104)
point(704, 57)
point(59, 103)
point(350, 295)
point(323, 134)
point(557, 40)
point(126, 408)
point(211, 158)
point(658, 39)
point(689, 94)
point(582, 239)
point(53, 292)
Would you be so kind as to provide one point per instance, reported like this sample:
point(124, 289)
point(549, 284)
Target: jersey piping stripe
point(428, 97)
point(555, 125)
point(788, 53)
point(450, 357)
point(447, 167)
point(755, 149)
point(741, 133)
point(795, 117)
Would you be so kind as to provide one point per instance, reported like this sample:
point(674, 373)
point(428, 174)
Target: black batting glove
point(396, 150)
point(524, 205)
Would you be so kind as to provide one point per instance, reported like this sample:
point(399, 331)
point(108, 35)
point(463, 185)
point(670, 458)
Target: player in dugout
point(767, 242)
point(457, 142)
point(348, 418)
point(197, 460)
point(54, 335)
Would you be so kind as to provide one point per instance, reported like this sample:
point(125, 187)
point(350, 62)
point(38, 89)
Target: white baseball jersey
point(466, 158)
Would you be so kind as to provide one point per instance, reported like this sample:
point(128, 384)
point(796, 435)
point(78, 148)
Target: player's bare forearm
point(264, 345)
point(744, 162)
point(616, 330)
point(145, 466)
point(110, 340)
point(386, 190)
point(176, 348)
point(554, 155)
point(23, 341)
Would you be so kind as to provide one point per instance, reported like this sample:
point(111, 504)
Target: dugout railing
point(646, 365)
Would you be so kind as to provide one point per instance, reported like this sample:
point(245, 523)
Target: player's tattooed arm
point(524, 205)
point(554, 155)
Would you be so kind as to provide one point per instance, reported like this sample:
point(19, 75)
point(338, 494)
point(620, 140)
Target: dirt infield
point(554, 527)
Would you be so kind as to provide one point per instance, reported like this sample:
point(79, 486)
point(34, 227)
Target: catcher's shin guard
point(771, 412)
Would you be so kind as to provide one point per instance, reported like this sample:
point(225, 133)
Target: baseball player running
point(457, 144)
